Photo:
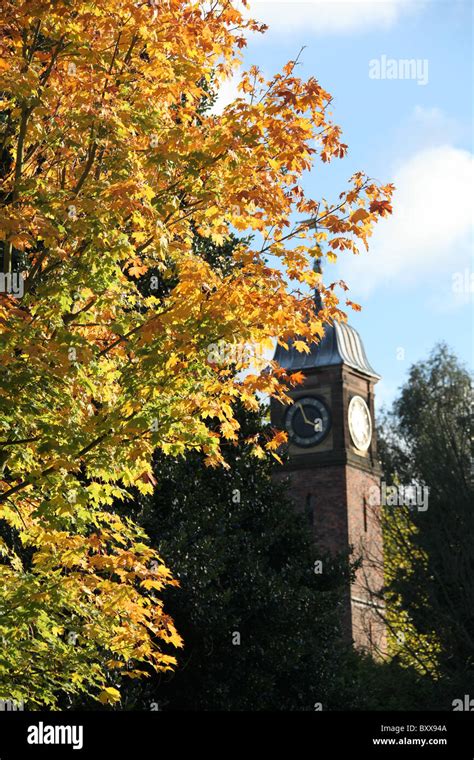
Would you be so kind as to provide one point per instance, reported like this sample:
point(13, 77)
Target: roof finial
point(318, 301)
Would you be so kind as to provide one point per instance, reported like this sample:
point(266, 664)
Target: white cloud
point(429, 235)
point(331, 16)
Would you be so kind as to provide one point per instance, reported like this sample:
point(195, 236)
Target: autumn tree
point(108, 169)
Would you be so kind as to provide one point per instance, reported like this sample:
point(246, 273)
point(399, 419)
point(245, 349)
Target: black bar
point(114, 734)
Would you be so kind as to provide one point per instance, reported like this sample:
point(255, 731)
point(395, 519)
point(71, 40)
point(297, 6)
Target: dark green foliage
point(369, 685)
point(427, 440)
point(246, 564)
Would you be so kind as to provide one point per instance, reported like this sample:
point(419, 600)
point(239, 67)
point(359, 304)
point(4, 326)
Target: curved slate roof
point(341, 344)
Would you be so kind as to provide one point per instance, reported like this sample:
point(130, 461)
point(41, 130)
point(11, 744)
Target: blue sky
point(415, 285)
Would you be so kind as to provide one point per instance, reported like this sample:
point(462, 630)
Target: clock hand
point(308, 422)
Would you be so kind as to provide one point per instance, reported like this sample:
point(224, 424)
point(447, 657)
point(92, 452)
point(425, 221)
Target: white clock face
point(360, 423)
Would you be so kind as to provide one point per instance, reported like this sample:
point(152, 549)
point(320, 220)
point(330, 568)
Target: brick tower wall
point(339, 501)
point(365, 536)
point(334, 484)
point(320, 493)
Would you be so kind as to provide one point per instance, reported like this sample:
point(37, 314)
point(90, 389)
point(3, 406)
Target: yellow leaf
point(301, 346)
point(360, 215)
point(109, 696)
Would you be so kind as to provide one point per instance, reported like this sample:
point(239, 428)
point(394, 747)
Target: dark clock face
point(307, 421)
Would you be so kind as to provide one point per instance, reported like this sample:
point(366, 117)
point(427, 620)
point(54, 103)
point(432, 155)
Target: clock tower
point(332, 467)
